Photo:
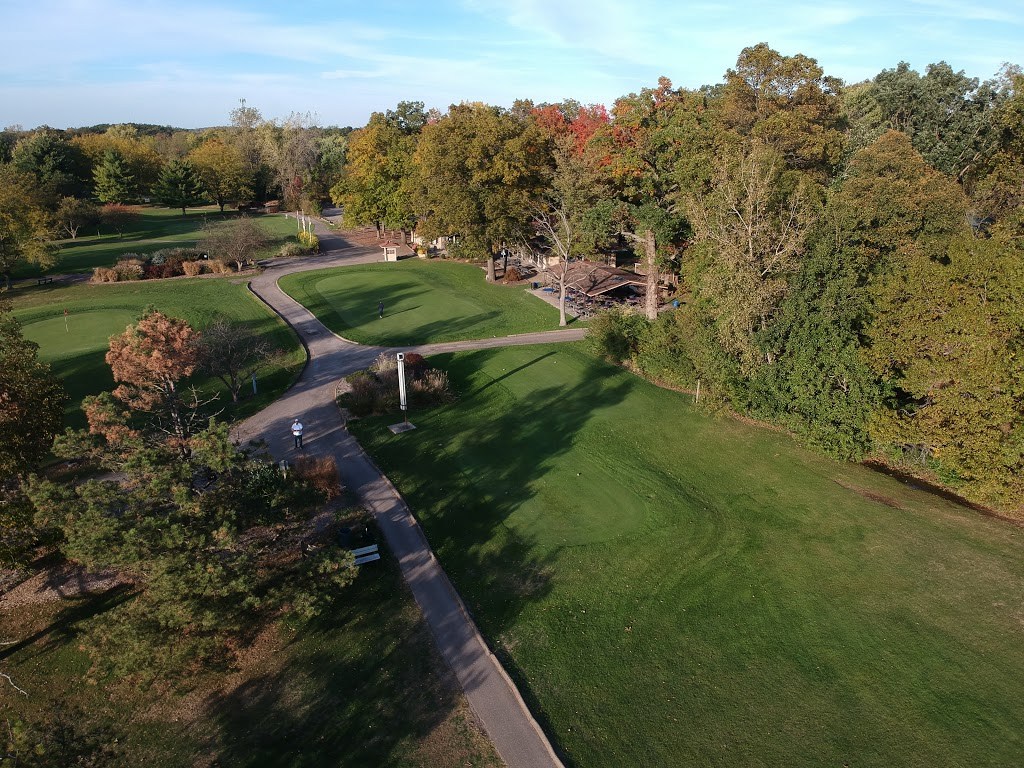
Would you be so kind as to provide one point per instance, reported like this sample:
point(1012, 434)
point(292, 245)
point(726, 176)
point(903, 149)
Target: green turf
point(362, 686)
point(95, 312)
point(157, 228)
point(424, 302)
point(672, 588)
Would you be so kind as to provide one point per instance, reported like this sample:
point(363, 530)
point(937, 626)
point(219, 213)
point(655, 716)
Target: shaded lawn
point(424, 302)
point(361, 687)
point(156, 228)
point(673, 588)
point(95, 312)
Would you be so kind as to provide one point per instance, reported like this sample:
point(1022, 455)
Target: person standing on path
point(297, 433)
point(380, 308)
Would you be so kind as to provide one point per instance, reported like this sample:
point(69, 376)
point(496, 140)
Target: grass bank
point(424, 302)
point(672, 588)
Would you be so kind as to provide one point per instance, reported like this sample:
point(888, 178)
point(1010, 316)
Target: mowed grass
point(76, 351)
point(671, 588)
point(156, 228)
point(362, 686)
point(424, 302)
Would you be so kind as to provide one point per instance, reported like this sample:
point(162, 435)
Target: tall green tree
point(947, 115)
point(378, 158)
point(947, 340)
point(114, 182)
point(188, 530)
point(57, 165)
point(750, 231)
point(221, 170)
point(652, 152)
point(25, 225)
point(477, 173)
point(31, 413)
point(179, 185)
point(788, 104)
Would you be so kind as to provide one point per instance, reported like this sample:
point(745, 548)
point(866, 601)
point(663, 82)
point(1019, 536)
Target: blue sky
point(188, 62)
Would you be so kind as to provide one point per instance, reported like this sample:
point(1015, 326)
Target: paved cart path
point(491, 693)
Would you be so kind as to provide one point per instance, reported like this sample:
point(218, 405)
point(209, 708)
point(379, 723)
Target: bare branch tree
point(233, 353)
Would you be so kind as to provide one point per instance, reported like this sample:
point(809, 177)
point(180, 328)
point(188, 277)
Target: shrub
point(386, 361)
point(174, 254)
point(128, 269)
point(192, 268)
point(291, 249)
point(310, 240)
point(432, 388)
point(219, 267)
point(361, 400)
point(512, 275)
point(321, 473)
point(614, 335)
point(103, 275)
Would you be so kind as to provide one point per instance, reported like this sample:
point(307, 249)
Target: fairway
point(671, 588)
point(424, 303)
point(95, 312)
point(156, 228)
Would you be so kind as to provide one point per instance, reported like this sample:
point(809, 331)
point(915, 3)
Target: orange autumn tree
point(149, 361)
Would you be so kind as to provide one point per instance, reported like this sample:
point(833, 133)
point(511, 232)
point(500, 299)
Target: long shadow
point(64, 625)
point(360, 687)
point(475, 463)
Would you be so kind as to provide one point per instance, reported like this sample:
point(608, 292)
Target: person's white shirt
point(297, 427)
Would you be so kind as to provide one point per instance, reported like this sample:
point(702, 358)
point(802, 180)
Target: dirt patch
point(878, 497)
point(63, 582)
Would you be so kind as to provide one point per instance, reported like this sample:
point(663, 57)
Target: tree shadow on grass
point(471, 466)
point(64, 626)
point(361, 686)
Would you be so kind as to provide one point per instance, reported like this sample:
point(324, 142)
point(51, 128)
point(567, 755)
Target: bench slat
point(365, 550)
point(367, 558)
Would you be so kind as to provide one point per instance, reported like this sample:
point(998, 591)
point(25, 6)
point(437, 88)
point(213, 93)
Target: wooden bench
point(366, 554)
point(42, 280)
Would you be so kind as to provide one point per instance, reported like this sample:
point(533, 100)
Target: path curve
point(490, 692)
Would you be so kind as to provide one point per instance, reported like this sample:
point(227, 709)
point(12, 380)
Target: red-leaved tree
point(149, 360)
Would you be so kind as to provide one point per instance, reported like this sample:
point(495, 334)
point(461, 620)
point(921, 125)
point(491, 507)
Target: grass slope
point(424, 302)
point(156, 228)
point(363, 687)
point(95, 312)
point(677, 589)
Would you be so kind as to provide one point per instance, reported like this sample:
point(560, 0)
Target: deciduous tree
point(378, 159)
point(149, 361)
point(478, 172)
point(73, 213)
point(25, 229)
point(119, 217)
point(221, 169)
point(236, 240)
point(233, 353)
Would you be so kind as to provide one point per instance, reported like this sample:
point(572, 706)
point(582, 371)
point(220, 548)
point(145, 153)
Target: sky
point(187, 63)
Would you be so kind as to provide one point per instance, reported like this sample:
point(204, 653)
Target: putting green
point(424, 302)
point(84, 332)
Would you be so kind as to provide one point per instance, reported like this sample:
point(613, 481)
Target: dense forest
point(848, 258)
